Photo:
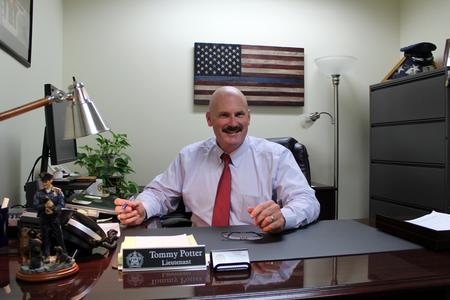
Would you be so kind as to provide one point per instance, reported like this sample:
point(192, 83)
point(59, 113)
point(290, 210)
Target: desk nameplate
point(173, 258)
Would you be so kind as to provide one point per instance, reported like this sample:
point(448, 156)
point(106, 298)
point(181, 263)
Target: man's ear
point(208, 118)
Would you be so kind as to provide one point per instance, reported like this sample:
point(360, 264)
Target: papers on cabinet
point(434, 220)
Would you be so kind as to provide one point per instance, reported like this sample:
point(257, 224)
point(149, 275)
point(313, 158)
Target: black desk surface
point(325, 238)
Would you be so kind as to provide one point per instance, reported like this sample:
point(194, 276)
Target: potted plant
point(109, 162)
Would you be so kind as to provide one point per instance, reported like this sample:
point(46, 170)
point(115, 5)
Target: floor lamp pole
point(335, 66)
point(335, 80)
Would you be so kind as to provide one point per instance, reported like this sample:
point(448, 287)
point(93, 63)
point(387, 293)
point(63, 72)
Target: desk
point(412, 274)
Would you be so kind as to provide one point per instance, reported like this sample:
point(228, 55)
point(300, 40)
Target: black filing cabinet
point(409, 147)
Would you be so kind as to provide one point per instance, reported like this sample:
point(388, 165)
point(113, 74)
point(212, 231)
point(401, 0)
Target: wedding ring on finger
point(272, 219)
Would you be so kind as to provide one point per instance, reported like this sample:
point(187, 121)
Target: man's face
point(229, 117)
point(47, 184)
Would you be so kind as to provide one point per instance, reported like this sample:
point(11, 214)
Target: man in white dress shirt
point(268, 188)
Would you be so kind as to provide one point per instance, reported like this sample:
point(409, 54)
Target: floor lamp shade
point(335, 65)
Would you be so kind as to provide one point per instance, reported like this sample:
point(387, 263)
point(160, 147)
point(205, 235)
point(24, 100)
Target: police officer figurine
point(48, 202)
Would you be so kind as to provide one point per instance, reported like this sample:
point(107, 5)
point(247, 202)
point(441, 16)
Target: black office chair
point(299, 151)
point(181, 218)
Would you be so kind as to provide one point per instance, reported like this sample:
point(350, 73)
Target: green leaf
point(109, 162)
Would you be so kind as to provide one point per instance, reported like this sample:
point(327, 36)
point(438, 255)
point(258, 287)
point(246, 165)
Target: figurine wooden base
point(47, 276)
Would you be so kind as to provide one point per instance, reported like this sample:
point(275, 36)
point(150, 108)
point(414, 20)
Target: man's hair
point(46, 177)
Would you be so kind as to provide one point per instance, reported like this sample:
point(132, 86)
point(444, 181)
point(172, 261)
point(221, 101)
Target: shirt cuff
point(152, 206)
point(150, 211)
point(291, 219)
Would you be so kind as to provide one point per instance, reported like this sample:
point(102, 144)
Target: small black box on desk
point(429, 238)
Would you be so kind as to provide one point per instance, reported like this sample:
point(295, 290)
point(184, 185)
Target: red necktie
point(221, 214)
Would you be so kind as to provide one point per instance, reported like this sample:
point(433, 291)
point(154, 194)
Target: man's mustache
point(232, 129)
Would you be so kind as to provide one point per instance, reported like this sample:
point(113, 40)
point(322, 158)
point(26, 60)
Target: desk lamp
point(82, 119)
point(334, 66)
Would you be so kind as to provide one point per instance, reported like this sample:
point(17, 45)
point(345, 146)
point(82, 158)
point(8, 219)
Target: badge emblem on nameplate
point(135, 260)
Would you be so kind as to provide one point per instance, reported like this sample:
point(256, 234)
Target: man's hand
point(267, 216)
point(132, 214)
point(56, 191)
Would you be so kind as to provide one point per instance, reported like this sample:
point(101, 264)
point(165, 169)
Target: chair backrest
point(298, 150)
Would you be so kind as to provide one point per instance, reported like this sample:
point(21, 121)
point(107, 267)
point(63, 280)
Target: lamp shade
point(307, 120)
point(85, 119)
point(335, 65)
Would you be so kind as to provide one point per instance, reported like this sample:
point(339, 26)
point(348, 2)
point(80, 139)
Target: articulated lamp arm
point(57, 96)
point(84, 120)
point(23, 109)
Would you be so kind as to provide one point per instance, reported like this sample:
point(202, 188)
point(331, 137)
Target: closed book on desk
point(430, 238)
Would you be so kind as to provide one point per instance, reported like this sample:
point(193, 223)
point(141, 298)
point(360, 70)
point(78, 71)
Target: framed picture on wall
point(446, 59)
point(16, 22)
point(267, 75)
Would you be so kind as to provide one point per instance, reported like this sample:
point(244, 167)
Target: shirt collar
point(237, 155)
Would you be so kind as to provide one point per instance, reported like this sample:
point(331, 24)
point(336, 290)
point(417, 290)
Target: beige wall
point(135, 58)
point(136, 61)
point(425, 21)
point(21, 137)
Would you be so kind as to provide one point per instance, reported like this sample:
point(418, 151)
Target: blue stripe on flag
point(242, 79)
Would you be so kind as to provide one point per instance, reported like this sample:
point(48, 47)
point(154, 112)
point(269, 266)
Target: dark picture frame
point(446, 52)
point(16, 23)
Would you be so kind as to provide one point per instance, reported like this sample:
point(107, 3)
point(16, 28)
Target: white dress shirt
point(260, 171)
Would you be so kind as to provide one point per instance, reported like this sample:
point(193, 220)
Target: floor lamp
point(335, 66)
